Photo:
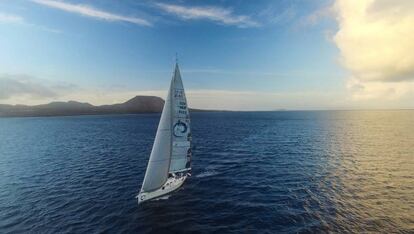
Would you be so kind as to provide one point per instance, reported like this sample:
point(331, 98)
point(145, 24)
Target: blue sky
point(108, 51)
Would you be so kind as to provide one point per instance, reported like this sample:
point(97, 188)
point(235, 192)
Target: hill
point(138, 104)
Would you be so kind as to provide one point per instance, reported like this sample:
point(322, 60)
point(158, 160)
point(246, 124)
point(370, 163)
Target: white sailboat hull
point(170, 185)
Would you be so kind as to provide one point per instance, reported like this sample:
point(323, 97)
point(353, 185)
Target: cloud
point(28, 90)
point(23, 87)
point(375, 39)
point(371, 90)
point(273, 15)
point(92, 12)
point(256, 100)
point(18, 20)
point(10, 18)
point(212, 13)
point(317, 16)
point(216, 99)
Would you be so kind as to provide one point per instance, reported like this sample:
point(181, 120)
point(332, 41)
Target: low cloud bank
point(28, 90)
point(27, 87)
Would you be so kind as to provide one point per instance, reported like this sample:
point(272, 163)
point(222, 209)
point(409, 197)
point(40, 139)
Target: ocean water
point(253, 172)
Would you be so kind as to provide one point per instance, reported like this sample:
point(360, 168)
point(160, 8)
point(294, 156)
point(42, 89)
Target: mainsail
point(171, 151)
point(181, 135)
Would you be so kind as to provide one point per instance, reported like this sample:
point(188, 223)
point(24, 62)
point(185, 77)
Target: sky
point(235, 55)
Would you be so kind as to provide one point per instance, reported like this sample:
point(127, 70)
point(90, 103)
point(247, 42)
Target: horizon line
point(228, 110)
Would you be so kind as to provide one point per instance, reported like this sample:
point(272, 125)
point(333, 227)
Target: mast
point(171, 116)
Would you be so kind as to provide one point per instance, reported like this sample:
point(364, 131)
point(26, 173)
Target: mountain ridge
point(135, 105)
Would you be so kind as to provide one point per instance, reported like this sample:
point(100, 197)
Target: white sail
point(181, 134)
point(159, 161)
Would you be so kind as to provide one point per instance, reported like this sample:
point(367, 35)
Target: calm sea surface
point(256, 172)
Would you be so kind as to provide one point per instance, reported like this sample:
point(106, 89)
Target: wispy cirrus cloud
point(275, 15)
point(10, 18)
point(6, 18)
point(212, 13)
point(92, 12)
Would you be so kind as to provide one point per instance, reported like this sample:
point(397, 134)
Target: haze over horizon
point(234, 55)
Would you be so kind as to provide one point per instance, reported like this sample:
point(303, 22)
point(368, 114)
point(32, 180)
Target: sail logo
point(184, 112)
point(180, 129)
point(179, 93)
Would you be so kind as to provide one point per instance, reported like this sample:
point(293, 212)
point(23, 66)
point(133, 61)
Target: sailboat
point(169, 164)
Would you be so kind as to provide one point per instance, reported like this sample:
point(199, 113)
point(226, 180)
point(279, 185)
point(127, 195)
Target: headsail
point(181, 137)
point(159, 161)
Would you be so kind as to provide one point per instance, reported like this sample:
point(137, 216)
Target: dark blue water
point(263, 172)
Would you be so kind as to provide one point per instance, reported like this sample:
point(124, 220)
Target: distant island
point(138, 104)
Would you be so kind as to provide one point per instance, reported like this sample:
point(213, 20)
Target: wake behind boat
point(169, 162)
